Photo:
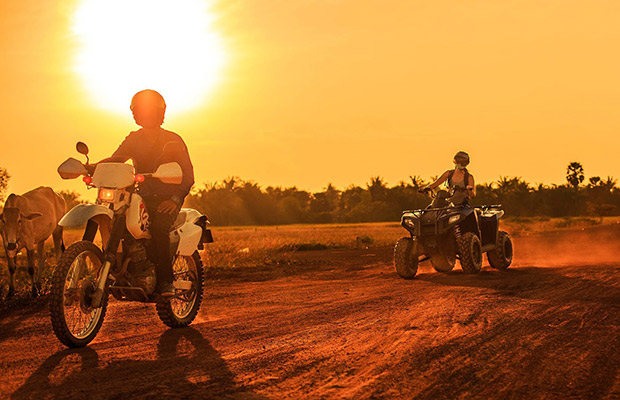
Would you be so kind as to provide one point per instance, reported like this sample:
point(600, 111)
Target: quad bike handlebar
point(491, 207)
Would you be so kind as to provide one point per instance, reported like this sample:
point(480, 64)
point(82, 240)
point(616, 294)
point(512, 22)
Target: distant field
point(235, 246)
point(253, 246)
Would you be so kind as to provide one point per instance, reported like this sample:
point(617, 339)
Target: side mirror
point(169, 173)
point(71, 169)
point(81, 148)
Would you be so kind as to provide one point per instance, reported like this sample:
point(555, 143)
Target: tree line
point(235, 201)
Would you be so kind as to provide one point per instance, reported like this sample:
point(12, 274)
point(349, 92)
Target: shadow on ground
point(196, 374)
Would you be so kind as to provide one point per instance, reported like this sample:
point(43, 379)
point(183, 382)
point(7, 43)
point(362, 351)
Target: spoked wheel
point(181, 310)
point(74, 320)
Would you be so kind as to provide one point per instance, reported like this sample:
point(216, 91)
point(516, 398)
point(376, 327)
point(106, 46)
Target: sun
point(129, 45)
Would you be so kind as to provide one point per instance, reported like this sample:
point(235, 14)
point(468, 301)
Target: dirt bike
point(86, 274)
point(443, 233)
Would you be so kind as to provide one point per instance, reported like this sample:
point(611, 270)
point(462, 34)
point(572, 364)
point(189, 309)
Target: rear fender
point(188, 235)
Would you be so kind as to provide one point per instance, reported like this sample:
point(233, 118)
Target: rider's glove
point(177, 200)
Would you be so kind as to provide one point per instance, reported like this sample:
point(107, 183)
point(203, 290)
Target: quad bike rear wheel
point(470, 252)
point(501, 256)
point(181, 310)
point(405, 259)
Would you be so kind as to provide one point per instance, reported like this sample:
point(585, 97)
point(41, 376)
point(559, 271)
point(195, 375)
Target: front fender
point(411, 222)
point(81, 213)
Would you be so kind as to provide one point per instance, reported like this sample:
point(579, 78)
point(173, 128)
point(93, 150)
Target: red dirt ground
point(342, 324)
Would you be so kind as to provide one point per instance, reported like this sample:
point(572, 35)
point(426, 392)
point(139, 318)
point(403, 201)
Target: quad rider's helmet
point(461, 159)
point(148, 108)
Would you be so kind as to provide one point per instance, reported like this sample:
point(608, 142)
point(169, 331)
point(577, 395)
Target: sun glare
point(129, 45)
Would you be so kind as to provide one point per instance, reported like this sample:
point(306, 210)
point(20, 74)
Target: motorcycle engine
point(141, 271)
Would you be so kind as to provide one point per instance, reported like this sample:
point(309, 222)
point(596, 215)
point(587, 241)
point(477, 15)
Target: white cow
point(27, 221)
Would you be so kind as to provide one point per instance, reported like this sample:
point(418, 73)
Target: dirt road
point(341, 324)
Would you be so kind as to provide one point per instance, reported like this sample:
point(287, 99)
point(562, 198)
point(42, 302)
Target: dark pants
point(159, 227)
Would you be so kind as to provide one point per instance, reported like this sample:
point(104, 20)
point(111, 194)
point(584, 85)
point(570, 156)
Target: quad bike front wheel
point(74, 320)
point(405, 258)
point(445, 259)
point(470, 252)
point(181, 310)
point(501, 256)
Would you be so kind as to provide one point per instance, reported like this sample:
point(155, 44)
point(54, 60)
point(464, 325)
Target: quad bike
point(443, 233)
point(86, 274)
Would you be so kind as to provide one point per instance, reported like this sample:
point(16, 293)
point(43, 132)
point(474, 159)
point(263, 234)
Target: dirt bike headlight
point(107, 195)
point(454, 218)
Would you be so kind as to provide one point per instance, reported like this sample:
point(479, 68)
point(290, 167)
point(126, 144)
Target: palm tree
point(574, 174)
point(417, 182)
point(377, 188)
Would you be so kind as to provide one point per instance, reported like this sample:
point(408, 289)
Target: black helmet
point(148, 107)
point(462, 158)
point(148, 98)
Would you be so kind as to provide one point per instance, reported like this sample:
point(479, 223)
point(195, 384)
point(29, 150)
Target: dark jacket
point(147, 156)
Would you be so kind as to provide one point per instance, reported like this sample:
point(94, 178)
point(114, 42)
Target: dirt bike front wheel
point(181, 310)
point(74, 320)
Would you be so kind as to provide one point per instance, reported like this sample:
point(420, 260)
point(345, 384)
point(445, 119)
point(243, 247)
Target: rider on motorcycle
point(148, 148)
point(459, 181)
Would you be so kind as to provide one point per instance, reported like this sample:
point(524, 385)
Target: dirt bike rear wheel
point(180, 311)
point(74, 321)
point(501, 256)
point(470, 252)
point(405, 262)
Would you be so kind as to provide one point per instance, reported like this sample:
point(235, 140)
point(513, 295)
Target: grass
point(246, 246)
point(256, 246)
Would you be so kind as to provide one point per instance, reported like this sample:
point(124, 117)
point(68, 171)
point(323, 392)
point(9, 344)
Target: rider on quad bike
point(451, 229)
point(460, 182)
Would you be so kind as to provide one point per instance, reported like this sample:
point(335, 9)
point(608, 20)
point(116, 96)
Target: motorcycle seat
point(181, 218)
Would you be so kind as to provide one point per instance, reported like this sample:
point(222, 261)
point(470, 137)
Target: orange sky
point(314, 92)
